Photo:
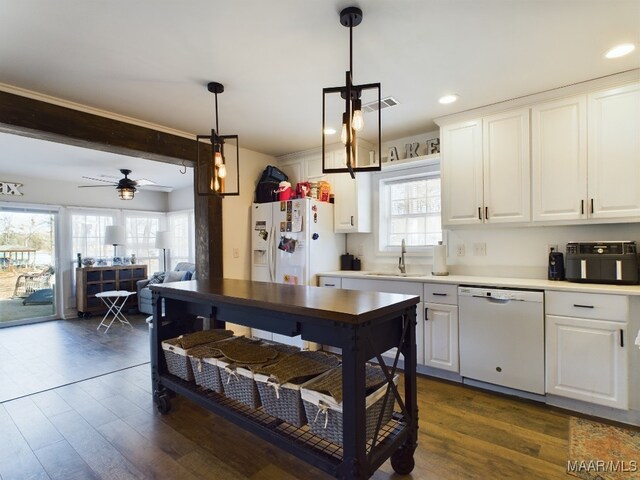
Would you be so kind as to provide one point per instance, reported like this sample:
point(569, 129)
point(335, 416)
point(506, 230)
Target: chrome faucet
point(401, 266)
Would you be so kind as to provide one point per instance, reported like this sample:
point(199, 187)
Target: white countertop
point(531, 283)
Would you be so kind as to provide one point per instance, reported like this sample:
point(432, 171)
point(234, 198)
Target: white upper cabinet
point(485, 170)
point(352, 197)
point(614, 152)
point(559, 159)
point(586, 156)
point(506, 161)
point(461, 167)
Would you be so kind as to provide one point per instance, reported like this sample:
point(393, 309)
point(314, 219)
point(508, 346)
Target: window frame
point(389, 174)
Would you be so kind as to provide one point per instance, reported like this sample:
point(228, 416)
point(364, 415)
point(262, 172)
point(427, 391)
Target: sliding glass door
point(27, 265)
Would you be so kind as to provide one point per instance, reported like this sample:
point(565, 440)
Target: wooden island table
point(362, 324)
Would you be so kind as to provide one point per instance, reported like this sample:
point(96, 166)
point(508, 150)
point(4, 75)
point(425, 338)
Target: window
point(181, 226)
point(141, 229)
point(409, 208)
point(87, 233)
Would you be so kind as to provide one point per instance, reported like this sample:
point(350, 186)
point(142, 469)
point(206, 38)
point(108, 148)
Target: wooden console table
point(362, 324)
point(92, 280)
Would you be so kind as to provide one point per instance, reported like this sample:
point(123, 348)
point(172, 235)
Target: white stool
point(115, 300)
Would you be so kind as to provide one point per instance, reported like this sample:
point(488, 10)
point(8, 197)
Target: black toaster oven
point(602, 262)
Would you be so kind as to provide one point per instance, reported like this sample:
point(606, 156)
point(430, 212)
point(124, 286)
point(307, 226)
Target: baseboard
point(631, 417)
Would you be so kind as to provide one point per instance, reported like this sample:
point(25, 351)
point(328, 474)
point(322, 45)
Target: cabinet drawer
point(388, 286)
point(441, 293)
point(588, 305)
point(331, 282)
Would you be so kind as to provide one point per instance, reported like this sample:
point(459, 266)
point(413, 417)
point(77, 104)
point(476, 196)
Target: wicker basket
point(205, 369)
point(325, 413)
point(279, 384)
point(237, 373)
point(204, 365)
point(175, 350)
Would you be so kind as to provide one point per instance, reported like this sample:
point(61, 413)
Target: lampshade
point(343, 110)
point(114, 235)
point(163, 240)
point(218, 158)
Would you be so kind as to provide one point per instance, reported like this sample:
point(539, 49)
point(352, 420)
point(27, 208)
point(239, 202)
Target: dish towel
point(638, 339)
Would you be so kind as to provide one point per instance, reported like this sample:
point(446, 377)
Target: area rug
point(603, 452)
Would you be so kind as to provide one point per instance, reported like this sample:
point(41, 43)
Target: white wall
point(511, 252)
point(181, 199)
point(236, 216)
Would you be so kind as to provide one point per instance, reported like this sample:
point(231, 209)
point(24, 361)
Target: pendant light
point(212, 166)
point(345, 103)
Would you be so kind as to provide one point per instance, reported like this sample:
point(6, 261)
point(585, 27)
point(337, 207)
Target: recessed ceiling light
point(448, 99)
point(329, 131)
point(620, 50)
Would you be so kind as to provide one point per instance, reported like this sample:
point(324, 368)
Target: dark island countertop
point(346, 306)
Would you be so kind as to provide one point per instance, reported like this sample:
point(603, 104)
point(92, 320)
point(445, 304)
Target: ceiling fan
point(127, 187)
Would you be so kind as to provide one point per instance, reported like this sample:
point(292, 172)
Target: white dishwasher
point(502, 337)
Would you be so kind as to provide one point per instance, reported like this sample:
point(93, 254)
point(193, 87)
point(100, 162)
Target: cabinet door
point(352, 197)
point(506, 163)
point(461, 160)
point(559, 159)
point(294, 169)
point(441, 337)
point(586, 361)
point(614, 153)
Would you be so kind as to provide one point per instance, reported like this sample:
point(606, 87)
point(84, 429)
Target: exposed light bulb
point(217, 159)
point(358, 120)
point(222, 171)
point(329, 131)
point(343, 134)
point(216, 184)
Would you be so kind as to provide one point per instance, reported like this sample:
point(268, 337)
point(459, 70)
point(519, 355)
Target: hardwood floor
point(46, 355)
point(107, 427)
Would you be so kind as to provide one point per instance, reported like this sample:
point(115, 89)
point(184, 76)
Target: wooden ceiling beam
point(29, 117)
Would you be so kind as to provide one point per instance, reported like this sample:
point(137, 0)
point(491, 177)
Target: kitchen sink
point(394, 274)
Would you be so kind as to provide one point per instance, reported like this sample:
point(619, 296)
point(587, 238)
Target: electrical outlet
point(552, 248)
point(236, 252)
point(460, 250)
point(480, 249)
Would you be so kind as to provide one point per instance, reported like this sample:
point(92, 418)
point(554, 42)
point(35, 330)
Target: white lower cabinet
point(441, 337)
point(586, 357)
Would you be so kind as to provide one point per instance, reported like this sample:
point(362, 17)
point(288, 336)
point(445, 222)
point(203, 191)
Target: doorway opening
point(27, 265)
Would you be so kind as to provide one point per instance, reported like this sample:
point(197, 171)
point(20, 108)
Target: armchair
point(145, 304)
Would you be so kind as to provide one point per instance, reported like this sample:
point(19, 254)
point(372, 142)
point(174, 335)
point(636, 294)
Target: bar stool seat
point(114, 300)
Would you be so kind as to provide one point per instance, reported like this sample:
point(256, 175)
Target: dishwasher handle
point(498, 299)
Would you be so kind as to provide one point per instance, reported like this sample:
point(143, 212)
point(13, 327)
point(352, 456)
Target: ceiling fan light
point(126, 193)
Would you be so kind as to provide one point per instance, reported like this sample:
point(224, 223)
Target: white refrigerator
point(291, 242)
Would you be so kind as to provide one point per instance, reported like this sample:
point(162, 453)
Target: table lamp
point(163, 242)
point(114, 235)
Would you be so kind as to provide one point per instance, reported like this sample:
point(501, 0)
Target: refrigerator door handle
point(271, 254)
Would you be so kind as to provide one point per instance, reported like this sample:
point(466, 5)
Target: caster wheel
point(402, 461)
point(163, 404)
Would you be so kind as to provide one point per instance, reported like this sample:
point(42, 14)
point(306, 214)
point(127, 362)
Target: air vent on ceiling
point(384, 103)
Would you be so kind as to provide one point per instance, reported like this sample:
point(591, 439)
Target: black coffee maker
point(556, 265)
